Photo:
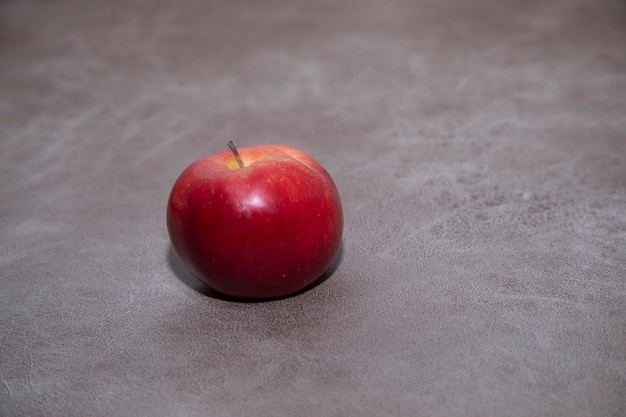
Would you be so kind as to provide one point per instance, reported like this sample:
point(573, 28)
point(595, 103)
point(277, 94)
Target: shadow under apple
point(183, 274)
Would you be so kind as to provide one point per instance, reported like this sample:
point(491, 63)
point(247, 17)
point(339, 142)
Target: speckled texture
point(480, 150)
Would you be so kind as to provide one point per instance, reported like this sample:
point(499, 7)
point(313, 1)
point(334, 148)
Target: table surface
point(479, 148)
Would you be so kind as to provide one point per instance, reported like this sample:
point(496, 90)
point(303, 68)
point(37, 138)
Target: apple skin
point(265, 230)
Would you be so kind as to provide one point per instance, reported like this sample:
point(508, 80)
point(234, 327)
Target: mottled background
point(480, 150)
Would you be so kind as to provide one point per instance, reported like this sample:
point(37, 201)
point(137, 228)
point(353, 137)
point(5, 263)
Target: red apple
point(257, 222)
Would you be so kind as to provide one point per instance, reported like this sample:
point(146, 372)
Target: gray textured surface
point(479, 147)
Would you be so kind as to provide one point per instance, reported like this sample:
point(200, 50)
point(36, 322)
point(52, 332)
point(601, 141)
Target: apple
point(256, 222)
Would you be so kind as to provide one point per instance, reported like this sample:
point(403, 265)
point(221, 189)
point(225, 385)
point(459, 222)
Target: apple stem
point(231, 145)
